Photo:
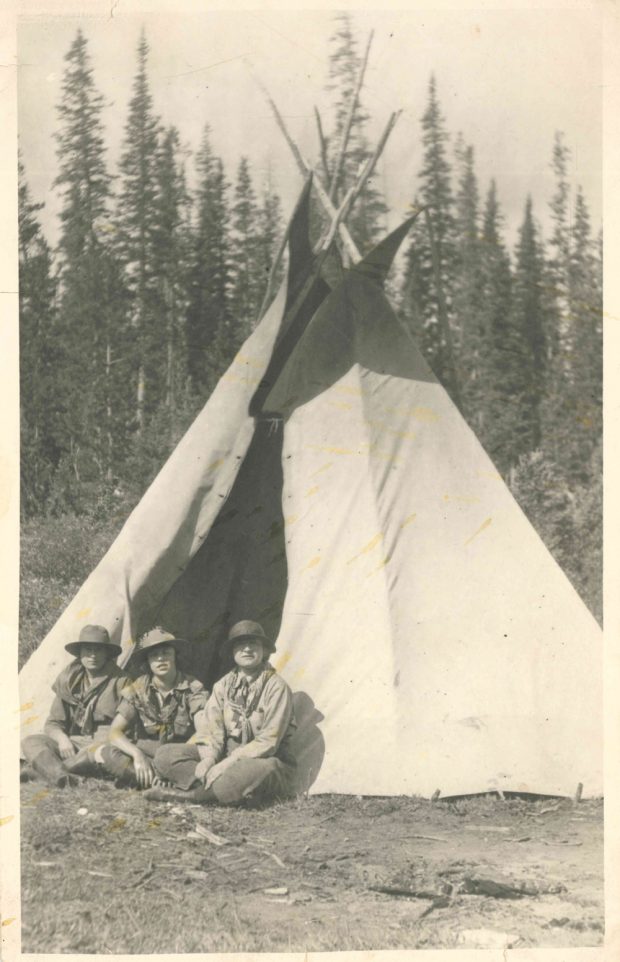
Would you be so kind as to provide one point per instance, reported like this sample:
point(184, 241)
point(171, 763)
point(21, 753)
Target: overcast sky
point(507, 79)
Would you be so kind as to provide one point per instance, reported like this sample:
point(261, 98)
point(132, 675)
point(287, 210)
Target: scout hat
point(93, 635)
point(247, 629)
point(160, 636)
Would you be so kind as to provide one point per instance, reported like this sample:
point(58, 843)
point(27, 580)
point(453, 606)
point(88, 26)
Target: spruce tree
point(367, 219)
point(471, 334)
point(84, 193)
point(137, 229)
point(525, 346)
point(496, 426)
point(209, 331)
point(428, 277)
point(42, 427)
point(246, 274)
point(165, 354)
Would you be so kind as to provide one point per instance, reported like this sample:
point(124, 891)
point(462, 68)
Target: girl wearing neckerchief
point(88, 692)
point(156, 709)
point(241, 749)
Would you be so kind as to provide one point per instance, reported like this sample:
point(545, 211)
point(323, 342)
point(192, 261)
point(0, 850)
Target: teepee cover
point(431, 640)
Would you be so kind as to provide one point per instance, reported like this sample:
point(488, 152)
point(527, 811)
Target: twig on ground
point(428, 838)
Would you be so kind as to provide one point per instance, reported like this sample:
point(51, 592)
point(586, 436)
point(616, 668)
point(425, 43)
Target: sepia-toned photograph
point(311, 480)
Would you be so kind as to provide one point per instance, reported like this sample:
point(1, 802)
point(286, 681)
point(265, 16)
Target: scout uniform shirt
point(163, 716)
point(80, 708)
point(250, 719)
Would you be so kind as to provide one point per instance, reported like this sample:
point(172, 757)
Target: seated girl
point(88, 692)
point(156, 709)
point(242, 746)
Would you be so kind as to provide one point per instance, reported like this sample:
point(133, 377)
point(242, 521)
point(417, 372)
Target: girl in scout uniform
point(156, 709)
point(87, 695)
point(242, 745)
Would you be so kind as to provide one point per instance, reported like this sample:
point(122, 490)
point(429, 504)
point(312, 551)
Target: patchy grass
point(129, 876)
point(56, 557)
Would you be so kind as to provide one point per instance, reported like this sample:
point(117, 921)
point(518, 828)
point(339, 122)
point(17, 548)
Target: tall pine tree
point(83, 317)
point(209, 334)
point(428, 277)
point(525, 347)
point(42, 428)
point(246, 273)
point(367, 219)
point(137, 229)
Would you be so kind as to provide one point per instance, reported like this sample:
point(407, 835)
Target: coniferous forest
point(127, 324)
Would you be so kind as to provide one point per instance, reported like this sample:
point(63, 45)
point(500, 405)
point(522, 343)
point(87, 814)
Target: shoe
point(160, 794)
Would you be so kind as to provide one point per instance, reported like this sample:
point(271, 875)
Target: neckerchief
point(242, 697)
point(163, 716)
point(72, 688)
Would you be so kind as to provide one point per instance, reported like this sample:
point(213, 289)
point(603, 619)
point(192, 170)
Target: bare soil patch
point(105, 871)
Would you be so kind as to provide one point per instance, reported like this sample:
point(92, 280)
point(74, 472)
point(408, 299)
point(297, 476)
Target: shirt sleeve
point(277, 707)
point(210, 732)
point(197, 700)
point(57, 718)
point(127, 706)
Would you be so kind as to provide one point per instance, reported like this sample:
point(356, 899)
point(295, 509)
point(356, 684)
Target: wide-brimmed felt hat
point(160, 636)
point(248, 629)
point(93, 635)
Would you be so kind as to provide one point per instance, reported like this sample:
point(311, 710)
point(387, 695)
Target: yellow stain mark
point(341, 405)
point(371, 544)
point(329, 450)
point(312, 491)
point(153, 823)
point(6, 819)
point(409, 519)
point(292, 518)
point(426, 415)
point(485, 524)
point(246, 359)
point(492, 475)
point(215, 464)
point(585, 422)
point(25, 707)
point(343, 389)
point(321, 469)
point(84, 613)
point(313, 562)
point(38, 797)
point(9, 920)
point(299, 674)
point(29, 721)
point(283, 660)
point(116, 824)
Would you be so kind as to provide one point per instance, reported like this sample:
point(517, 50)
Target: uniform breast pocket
point(257, 720)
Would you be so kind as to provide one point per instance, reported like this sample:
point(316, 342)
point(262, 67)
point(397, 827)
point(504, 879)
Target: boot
point(50, 767)
point(193, 795)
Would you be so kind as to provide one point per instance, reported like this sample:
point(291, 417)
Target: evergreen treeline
point(128, 324)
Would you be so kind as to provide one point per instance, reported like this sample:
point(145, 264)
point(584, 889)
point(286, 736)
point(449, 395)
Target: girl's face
point(162, 660)
point(94, 657)
point(248, 653)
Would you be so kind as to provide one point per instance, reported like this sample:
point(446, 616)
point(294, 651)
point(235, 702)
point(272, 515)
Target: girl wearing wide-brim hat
point(87, 695)
point(242, 747)
point(156, 709)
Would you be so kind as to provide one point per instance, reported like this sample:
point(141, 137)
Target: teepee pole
point(346, 131)
point(322, 145)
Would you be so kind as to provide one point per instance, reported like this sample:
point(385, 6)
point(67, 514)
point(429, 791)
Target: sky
point(507, 80)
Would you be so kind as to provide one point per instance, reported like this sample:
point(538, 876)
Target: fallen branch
point(322, 145)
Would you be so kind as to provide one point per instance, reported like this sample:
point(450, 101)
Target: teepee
point(331, 490)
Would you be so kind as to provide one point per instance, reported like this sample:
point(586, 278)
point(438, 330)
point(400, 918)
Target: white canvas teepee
point(431, 640)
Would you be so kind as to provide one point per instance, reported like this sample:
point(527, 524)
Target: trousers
point(257, 778)
point(42, 753)
point(121, 766)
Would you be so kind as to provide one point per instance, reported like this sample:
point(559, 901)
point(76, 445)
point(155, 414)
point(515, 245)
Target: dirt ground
point(105, 871)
